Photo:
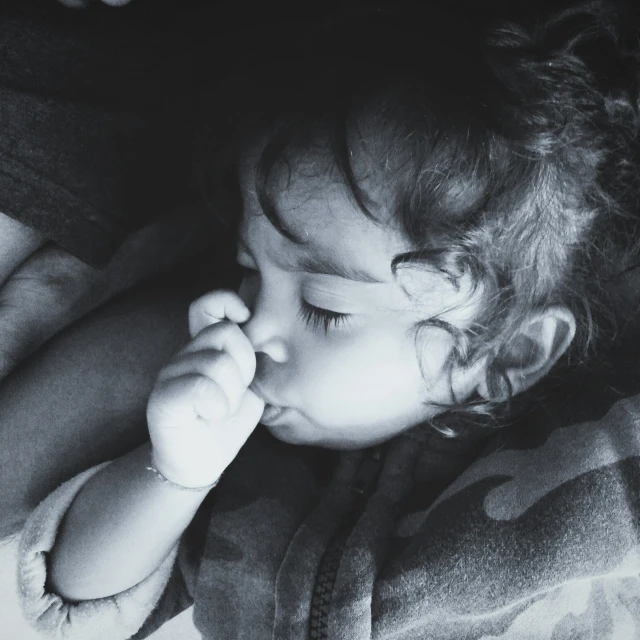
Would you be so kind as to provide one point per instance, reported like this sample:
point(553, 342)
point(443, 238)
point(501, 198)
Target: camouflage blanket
point(426, 538)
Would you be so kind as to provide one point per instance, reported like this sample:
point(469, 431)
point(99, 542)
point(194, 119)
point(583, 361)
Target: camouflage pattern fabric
point(539, 542)
point(533, 536)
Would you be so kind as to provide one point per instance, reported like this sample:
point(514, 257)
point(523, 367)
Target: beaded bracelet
point(162, 477)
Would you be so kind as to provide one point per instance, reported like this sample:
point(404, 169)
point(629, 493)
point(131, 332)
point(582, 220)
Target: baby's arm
point(126, 519)
point(120, 527)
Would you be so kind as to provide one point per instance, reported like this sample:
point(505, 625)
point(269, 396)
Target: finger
point(185, 398)
point(246, 418)
point(216, 365)
point(226, 336)
point(250, 409)
point(214, 307)
point(208, 401)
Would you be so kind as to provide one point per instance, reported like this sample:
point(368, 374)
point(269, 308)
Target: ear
point(533, 350)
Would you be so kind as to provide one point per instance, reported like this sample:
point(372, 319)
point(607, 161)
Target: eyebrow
point(319, 265)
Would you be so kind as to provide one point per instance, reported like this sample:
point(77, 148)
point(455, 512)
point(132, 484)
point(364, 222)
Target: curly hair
point(511, 154)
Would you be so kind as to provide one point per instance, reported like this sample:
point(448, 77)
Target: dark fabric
point(95, 120)
point(174, 601)
point(96, 106)
point(521, 542)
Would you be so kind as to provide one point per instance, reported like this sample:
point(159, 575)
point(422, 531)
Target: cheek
point(366, 378)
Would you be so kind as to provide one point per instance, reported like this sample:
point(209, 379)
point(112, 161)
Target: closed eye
point(324, 319)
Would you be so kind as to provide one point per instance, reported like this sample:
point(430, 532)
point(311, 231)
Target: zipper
point(362, 486)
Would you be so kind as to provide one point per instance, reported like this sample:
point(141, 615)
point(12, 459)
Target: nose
point(265, 327)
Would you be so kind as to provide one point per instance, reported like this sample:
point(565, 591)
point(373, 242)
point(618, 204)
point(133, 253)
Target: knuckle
point(220, 330)
point(198, 303)
point(220, 360)
point(224, 326)
point(211, 298)
point(202, 385)
point(227, 374)
point(210, 396)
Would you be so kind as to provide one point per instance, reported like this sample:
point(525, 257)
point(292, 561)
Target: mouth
point(272, 412)
point(257, 389)
point(271, 415)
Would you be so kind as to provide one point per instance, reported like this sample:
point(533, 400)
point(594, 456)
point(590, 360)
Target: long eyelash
point(321, 318)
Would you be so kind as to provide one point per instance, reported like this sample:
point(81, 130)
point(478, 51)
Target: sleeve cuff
point(113, 618)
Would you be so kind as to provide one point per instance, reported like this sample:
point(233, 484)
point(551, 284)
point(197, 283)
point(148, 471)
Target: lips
point(257, 389)
point(271, 415)
point(272, 411)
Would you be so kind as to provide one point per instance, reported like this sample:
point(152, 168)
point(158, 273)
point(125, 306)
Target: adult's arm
point(81, 398)
point(49, 288)
point(94, 157)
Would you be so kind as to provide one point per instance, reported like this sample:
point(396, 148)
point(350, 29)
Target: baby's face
point(334, 331)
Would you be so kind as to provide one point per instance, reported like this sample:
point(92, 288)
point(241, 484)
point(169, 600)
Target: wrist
point(164, 474)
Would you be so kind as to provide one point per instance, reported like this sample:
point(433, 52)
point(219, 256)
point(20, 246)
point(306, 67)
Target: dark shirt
point(95, 117)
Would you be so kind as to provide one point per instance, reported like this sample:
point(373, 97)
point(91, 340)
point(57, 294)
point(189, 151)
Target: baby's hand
point(201, 410)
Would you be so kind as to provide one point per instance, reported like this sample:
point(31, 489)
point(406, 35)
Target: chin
point(290, 435)
point(286, 434)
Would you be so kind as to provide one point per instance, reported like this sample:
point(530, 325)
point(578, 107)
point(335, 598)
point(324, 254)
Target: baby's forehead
point(361, 258)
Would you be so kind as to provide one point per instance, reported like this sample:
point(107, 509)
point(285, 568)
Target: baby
point(428, 224)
